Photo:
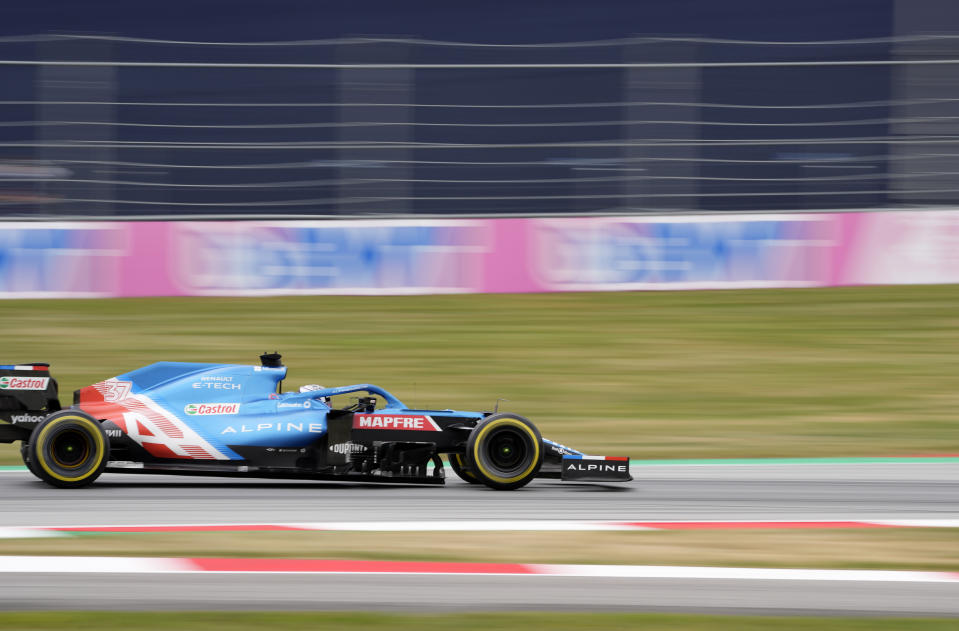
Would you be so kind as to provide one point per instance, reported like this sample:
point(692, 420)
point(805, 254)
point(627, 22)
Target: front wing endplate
point(595, 469)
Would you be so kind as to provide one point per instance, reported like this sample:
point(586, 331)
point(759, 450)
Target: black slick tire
point(458, 465)
point(25, 454)
point(504, 451)
point(68, 450)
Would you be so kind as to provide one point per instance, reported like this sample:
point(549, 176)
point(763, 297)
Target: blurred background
point(460, 202)
point(231, 151)
point(376, 108)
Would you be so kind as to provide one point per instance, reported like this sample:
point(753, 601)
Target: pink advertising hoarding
point(258, 258)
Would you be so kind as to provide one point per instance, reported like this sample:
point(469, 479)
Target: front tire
point(504, 451)
point(68, 450)
point(458, 465)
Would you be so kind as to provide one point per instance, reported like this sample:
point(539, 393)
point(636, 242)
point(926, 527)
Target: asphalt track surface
point(670, 492)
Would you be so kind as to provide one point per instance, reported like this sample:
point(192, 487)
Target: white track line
point(478, 525)
point(30, 533)
point(918, 523)
point(92, 565)
point(146, 565)
point(741, 573)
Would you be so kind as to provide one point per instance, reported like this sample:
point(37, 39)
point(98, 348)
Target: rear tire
point(458, 465)
point(25, 454)
point(505, 451)
point(68, 450)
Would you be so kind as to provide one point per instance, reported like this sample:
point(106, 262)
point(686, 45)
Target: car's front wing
point(583, 468)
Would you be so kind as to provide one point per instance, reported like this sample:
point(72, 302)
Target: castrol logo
point(24, 383)
point(210, 409)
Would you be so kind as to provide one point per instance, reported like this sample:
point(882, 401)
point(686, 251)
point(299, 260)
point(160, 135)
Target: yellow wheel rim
point(98, 447)
point(510, 423)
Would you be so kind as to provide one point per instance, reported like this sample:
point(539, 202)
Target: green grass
point(868, 371)
point(532, 621)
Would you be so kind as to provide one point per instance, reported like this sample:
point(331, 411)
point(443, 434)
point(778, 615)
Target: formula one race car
point(233, 420)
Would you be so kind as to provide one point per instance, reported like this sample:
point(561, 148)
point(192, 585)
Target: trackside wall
point(251, 258)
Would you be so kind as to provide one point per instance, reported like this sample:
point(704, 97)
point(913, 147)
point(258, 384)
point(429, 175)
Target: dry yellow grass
point(473, 621)
point(936, 549)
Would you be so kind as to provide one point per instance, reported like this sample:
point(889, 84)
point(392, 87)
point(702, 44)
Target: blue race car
point(234, 420)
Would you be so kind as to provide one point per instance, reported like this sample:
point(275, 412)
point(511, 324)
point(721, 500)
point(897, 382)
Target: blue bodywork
point(235, 420)
point(239, 405)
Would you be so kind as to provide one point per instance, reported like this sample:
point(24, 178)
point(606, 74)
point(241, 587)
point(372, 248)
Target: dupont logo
point(210, 409)
point(348, 448)
point(24, 383)
point(407, 422)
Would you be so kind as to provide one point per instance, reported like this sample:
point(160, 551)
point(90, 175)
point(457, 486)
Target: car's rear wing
point(27, 395)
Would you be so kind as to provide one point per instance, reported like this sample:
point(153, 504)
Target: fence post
point(362, 94)
point(95, 86)
point(925, 99)
point(648, 93)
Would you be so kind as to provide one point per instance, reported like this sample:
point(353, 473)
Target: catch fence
point(103, 126)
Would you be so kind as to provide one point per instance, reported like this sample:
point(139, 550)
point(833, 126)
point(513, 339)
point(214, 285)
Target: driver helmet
point(312, 387)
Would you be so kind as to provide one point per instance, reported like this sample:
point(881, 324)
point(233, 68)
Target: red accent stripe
point(616, 458)
point(197, 452)
point(338, 566)
point(212, 528)
point(90, 394)
point(738, 525)
point(45, 368)
point(160, 450)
